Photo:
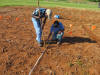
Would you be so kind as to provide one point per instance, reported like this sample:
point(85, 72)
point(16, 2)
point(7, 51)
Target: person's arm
point(51, 31)
point(37, 17)
point(43, 23)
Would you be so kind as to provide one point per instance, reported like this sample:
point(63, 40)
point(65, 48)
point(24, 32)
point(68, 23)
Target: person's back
point(56, 27)
point(39, 12)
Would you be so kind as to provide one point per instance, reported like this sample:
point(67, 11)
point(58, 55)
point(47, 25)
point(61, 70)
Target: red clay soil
point(79, 54)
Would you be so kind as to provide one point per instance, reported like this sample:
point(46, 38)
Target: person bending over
point(39, 17)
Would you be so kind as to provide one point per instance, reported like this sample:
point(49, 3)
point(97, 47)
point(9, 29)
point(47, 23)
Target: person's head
point(56, 23)
point(49, 13)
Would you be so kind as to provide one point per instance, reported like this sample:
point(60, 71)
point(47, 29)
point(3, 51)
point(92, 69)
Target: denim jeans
point(57, 36)
point(37, 26)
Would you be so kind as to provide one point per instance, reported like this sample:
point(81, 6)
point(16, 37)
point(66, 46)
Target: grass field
point(48, 4)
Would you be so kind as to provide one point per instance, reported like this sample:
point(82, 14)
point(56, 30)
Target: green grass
point(47, 4)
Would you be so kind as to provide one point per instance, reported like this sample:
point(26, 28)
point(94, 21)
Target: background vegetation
point(86, 4)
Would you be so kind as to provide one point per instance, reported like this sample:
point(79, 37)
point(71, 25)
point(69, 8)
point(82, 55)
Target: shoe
point(40, 44)
point(58, 43)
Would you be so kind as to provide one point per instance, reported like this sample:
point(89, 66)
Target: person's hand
point(47, 41)
point(59, 32)
point(39, 17)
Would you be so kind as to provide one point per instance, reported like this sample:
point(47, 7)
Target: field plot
point(79, 53)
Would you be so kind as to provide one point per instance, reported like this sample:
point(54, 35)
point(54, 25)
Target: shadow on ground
point(74, 40)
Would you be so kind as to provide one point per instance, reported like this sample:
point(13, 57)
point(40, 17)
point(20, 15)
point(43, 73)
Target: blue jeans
point(38, 29)
point(57, 36)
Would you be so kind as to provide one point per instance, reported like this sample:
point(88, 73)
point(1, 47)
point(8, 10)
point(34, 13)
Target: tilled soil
point(79, 53)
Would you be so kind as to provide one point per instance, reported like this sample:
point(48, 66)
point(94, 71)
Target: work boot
point(40, 44)
point(58, 42)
